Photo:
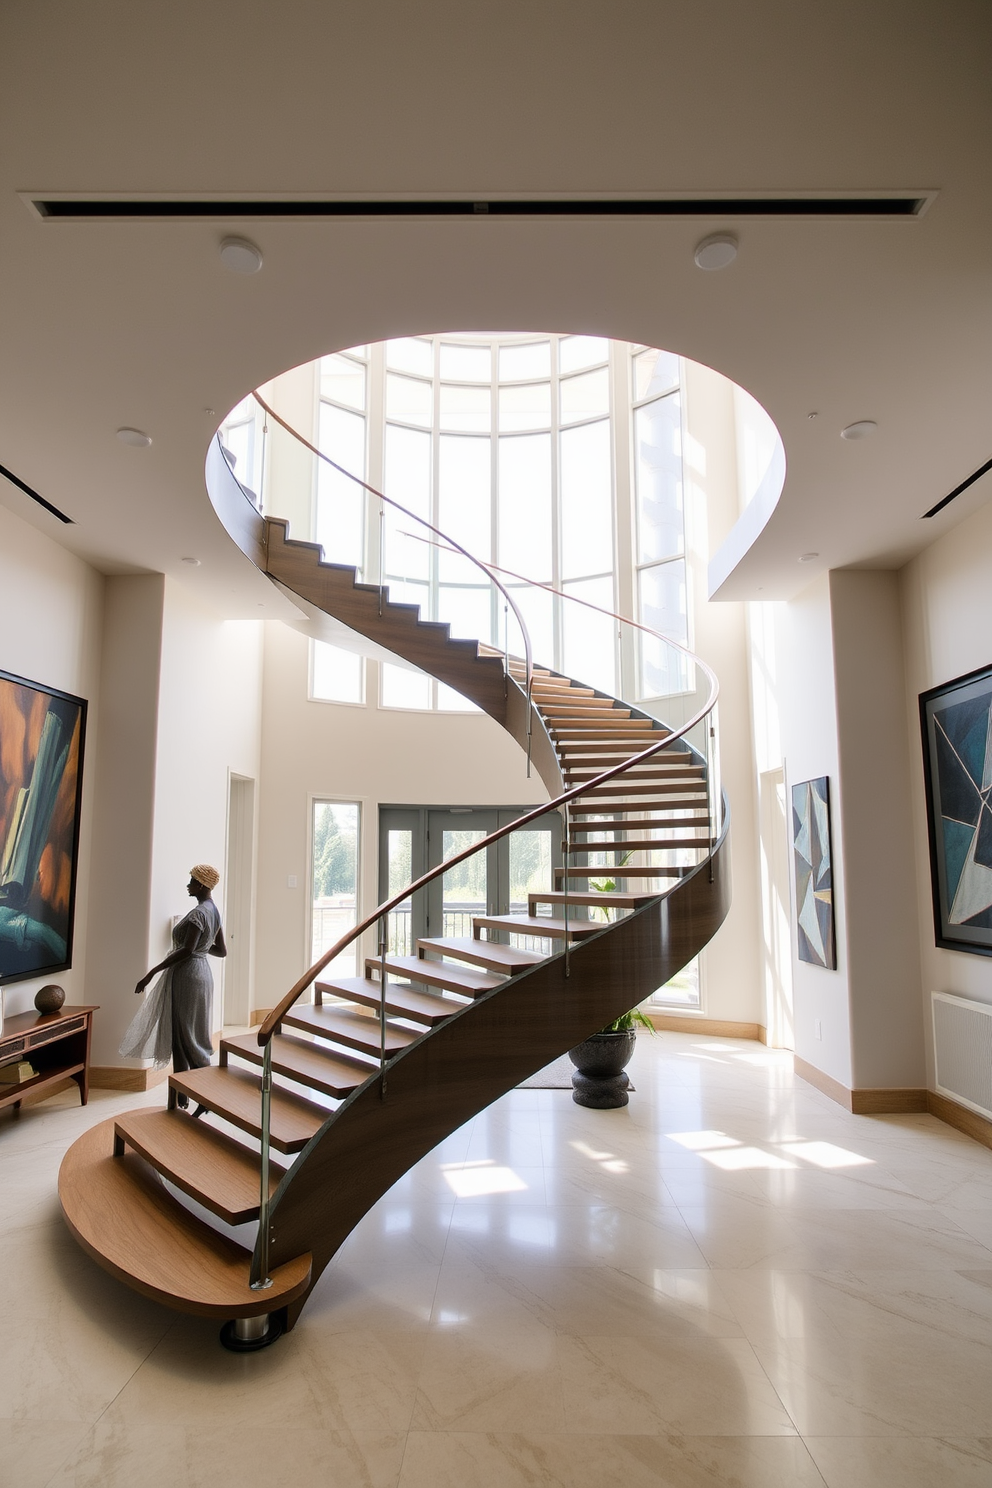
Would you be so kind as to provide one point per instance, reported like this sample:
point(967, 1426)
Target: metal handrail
point(260, 1259)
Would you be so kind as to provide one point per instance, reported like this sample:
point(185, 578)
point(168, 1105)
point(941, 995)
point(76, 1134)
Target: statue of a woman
point(175, 1020)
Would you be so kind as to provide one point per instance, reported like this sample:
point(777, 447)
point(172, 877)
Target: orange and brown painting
point(40, 755)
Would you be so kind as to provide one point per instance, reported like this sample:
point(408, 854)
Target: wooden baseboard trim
point(963, 1120)
point(713, 1027)
point(862, 1102)
point(888, 1102)
point(826, 1084)
point(110, 1077)
point(259, 1015)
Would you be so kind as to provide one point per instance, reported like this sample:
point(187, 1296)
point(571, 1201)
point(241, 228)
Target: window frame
point(314, 697)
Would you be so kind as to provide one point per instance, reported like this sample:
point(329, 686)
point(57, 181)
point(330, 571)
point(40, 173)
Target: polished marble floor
point(730, 1282)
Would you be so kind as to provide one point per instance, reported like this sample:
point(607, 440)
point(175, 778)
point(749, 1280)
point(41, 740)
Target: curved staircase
point(351, 1090)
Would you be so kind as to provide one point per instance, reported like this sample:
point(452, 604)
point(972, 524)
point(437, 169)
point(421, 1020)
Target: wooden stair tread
point(636, 777)
point(679, 797)
point(537, 925)
point(675, 816)
point(613, 870)
point(355, 1030)
point(402, 1001)
point(441, 974)
point(123, 1216)
point(484, 952)
point(205, 1163)
point(611, 900)
point(308, 1064)
point(639, 844)
point(611, 747)
point(236, 1096)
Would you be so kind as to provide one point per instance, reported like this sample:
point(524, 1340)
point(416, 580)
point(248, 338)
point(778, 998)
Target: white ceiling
point(105, 324)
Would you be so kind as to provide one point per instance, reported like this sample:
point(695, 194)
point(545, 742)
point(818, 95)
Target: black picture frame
point(42, 744)
point(956, 727)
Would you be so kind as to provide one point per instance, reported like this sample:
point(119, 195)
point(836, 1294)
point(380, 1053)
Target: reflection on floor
point(729, 1282)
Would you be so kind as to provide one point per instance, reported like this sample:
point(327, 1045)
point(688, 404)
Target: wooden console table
point(58, 1046)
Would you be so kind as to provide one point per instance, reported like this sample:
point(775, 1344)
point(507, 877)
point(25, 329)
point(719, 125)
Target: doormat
point(556, 1076)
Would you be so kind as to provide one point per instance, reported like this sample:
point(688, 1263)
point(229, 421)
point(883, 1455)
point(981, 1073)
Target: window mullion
point(623, 440)
point(556, 603)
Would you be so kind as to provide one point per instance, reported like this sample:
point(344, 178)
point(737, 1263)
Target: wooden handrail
point(275, 1017)
point(268, 1028)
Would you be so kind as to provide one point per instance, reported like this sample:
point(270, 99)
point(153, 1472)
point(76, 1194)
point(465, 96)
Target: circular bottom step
point(125, 1218)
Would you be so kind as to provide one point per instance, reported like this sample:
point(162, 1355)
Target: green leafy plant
point(629, 1020)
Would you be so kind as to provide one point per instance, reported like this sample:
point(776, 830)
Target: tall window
point(532, 452)
point(336, 675)
point(506, 447)
point(340, 518)
point(334, 879)
point(239, 434)
point(660, 518)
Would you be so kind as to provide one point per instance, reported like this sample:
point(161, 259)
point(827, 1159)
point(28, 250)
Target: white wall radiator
point(962, 1042)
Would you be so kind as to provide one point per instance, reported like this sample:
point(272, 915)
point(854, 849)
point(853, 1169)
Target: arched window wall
point(559, 458)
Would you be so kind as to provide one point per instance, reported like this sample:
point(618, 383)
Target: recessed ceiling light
point(193, 562)
point(807, 557)
point(860, 430)
point(240, 256)
point(716, 252)
point(137, 438)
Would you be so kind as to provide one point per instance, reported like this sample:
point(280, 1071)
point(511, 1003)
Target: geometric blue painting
point(814, 876)
point(957, 739)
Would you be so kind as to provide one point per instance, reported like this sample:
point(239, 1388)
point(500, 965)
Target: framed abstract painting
point(41, 772)
point(956, 720)
point(814, 872)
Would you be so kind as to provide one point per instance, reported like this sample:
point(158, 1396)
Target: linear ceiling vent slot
point(15, 480)
point(962, 1041)
point(58, 207)
point(946, 500)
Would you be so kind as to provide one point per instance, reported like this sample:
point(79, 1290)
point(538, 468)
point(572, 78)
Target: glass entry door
point(469, 888)
point(414, 839)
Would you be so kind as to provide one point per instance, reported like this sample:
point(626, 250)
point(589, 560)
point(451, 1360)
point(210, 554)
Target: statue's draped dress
point(174, 1020)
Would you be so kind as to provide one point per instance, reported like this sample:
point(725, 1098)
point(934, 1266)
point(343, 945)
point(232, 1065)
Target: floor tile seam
point(91, 1426)
point(86, 1429)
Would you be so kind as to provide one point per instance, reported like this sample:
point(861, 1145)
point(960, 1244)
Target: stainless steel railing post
point(383, 937)
point(382, 553)
point(566, 845)
point(259, 1277)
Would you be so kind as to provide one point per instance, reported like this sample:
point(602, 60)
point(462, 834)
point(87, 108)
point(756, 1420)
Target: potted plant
point(600, 1080)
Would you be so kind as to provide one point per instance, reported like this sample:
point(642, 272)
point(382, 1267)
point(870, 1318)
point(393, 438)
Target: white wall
point(808, 720)
point(877, 838)
point(730, 965)
point(947, 618)
point(53, 609)
point(121, 857)
point(209, 726)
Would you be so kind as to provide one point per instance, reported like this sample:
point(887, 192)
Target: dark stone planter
point(599, 1080)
